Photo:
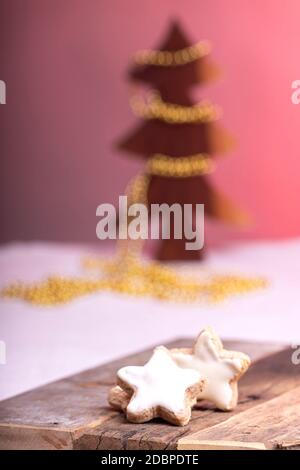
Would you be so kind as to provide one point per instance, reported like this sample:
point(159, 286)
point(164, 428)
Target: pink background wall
point(67, 101)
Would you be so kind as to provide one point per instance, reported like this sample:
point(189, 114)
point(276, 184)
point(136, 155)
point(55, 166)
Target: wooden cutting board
point(73, 413)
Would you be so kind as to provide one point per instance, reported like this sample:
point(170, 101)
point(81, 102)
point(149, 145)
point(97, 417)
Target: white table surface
point(44, 344)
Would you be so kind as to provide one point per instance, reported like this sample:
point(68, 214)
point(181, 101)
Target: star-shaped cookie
point(160, 388)
point(221, 368)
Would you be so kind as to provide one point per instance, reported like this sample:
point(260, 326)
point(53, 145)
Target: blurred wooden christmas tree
point(179, 139)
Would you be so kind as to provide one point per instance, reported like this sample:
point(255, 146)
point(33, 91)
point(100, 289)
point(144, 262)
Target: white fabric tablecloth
point(44, 344)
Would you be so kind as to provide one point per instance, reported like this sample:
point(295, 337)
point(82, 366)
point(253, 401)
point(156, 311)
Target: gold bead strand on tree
point(173, 58)
point(180, 167)
point(155, 108)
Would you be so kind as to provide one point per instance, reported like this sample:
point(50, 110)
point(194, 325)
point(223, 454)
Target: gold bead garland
point(155, 108)
point(127, 273)
point(179, 167)
point(173, 58)
point(127, 276)
point(53, 290)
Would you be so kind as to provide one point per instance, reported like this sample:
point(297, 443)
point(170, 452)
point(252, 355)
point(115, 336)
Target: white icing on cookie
point(160, 383)
point(219, 367)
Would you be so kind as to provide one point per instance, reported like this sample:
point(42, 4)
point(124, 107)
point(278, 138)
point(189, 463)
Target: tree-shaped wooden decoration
point(178, 139)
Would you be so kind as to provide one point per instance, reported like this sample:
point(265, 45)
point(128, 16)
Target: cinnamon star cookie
point(160, 388)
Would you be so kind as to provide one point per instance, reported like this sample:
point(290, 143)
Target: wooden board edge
point(194, 444)
point(20, 437)
point(288, 445)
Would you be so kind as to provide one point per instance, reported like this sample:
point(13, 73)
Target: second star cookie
point(221, 368)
